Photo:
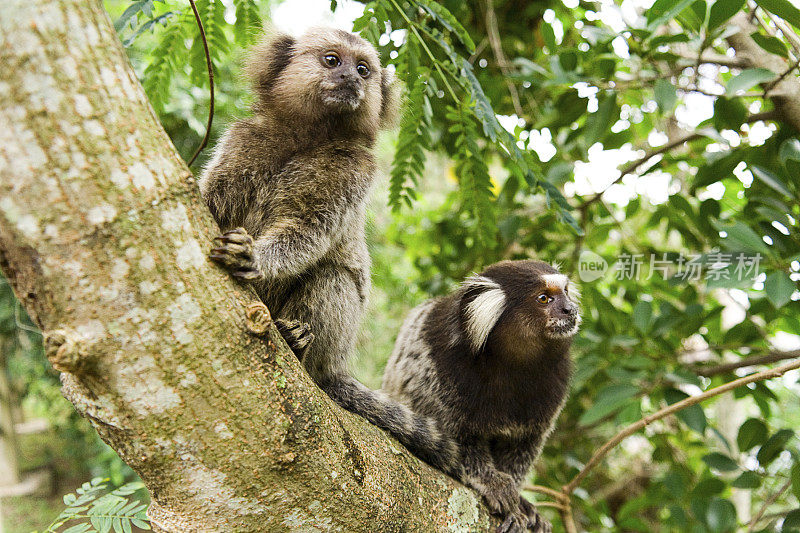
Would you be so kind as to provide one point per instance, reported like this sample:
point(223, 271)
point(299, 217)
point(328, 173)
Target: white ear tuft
point(484, 311)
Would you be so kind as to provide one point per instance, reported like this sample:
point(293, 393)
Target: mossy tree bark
point(104, 238)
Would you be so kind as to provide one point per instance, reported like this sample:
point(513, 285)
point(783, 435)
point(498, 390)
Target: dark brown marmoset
point(490, 364)
point(288, 187)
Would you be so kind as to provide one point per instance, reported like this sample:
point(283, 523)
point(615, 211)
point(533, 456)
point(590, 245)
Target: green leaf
point(783, 9)
point(751, 433)
point(747, 480)
point(771, 44)
point(722, 10)
point(446, 19)
point(597, 124)
point(729, 113)
point(796, 480)
point(665, 10)
point(792, 522)
point(721, 462)
point(643, 316)
point(779, 288)
point(774, 446)
point(78, 528)
point(721, 515)
point(549, 36)
point(790, 151)
point(741, 238)
point(692, 416)
point(666, 95)
point(608, 400)
point(749, 78)
point(771, 180)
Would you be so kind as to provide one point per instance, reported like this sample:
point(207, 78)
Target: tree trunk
point(785, 94)
point(9, 448)
point(104, 238)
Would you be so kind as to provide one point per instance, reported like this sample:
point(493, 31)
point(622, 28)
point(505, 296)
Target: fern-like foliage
point(248, 21)
point(473, 174)
point(166, 56)
point(436, 43)
point(91, 508)
point(212, 13)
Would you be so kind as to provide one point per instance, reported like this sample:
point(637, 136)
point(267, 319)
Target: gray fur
point(288, 188)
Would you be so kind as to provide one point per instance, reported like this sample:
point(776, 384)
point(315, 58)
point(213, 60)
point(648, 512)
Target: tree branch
point(769, 501)
point(497, 48)
point(785, 94)
point(104, 238)
point(771, 357)
point(632, 167)
point(672, 409)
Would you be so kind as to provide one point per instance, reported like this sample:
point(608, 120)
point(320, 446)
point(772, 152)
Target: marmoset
point(489, 364)
point(288, 188)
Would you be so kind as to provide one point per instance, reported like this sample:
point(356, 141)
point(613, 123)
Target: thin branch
point(210, 68)
point(547, 491)
point(780, 78)
point(713, 59)
point(500, 57)
point(771, 357)
point(632, 167)
point(769, 501)
point(672, 409)
point(641, 161)
point(568, 519)
point(786, 30)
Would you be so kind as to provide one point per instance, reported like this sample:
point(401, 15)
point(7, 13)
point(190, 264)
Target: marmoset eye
point(363, 70)
point(544, 299)
point(332, 60)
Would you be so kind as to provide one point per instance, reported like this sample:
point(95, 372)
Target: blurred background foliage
point(629, 129)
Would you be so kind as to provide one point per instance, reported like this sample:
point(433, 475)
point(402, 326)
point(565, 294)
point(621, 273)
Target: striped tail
point(418, 433)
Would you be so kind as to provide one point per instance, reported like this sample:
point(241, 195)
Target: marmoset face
point(555, 302)
point(336, 69)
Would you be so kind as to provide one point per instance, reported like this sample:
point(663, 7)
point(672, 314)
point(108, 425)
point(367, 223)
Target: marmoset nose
point(569, 309)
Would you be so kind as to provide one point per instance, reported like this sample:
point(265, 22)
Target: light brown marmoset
point(288, 187)
point(490, 365)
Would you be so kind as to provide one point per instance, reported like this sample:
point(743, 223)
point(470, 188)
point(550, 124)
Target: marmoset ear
point(391, 92)
point(267, 59)
point(482, 304)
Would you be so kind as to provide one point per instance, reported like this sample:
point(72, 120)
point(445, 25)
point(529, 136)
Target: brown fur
point(288, 188)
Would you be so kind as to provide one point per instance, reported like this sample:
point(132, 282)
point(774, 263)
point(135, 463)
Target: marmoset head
point(520, 305)
point(326, 73)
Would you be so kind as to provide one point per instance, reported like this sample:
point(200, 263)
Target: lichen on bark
point(104, 237)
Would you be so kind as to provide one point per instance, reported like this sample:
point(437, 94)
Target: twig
point(772, 357)
point(632, 167)
point(780, 78)
point(427, 50)
point(672, 409)
point(210, 83)
point(568, 519)
point(787, 31)
point(547, 491)
point(641, 161)
point(714, 59)
point(554, 505)
point(769, 501)
point(500, 57)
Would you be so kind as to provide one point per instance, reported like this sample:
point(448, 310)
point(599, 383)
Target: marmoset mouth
point(563, 327)
point(346, 96)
